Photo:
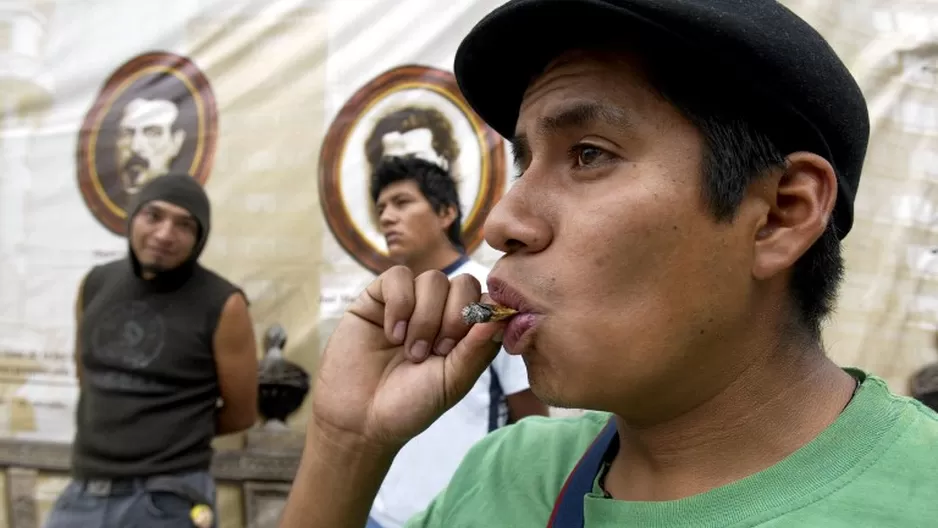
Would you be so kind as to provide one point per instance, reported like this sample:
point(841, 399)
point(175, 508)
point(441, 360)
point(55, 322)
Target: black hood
point(183, 191)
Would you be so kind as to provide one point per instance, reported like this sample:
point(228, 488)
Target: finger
point(463, 290)
point(388, 301)
point(432, 289)
point(469, 359)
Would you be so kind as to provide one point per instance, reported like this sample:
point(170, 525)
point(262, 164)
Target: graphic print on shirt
point(130, 333)
point(129, 337)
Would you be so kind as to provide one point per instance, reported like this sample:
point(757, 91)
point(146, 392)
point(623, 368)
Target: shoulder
point(544, 437)
point(234, 330)
point(235, 307)
point(921, 433)
point(100, 275)
point(108, 269)
point(551, 434)
point(219, 292)
point(916, 417)
point(211, 278)
point(226, 302)
point(904, 454)
point(534, 455)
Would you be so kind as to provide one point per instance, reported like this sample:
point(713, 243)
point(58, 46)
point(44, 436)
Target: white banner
point(280, 108)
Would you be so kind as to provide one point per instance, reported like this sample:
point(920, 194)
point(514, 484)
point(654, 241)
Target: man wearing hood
point(166, 360)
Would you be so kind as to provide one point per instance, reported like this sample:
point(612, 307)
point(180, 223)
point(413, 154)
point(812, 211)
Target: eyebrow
point(396, 195)
point(573, 115)
point(180, 216)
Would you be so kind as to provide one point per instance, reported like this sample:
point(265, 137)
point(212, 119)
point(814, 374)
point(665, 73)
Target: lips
point(160, 252)
point(505, 295)
point(520, 328)
point(392, 238)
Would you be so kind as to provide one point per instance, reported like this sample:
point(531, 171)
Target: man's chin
point(154, 267)
point(551, 397)
point(396, 255)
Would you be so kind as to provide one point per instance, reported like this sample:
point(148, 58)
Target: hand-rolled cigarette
point(485, 313)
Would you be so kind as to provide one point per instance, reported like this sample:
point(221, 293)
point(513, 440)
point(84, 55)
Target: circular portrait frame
point(440, 95)
point(168, 78)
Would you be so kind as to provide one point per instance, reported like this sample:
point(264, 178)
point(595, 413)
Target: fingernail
point(499, 336)
point(400, 331)
point(445, 346)
point(419, 350)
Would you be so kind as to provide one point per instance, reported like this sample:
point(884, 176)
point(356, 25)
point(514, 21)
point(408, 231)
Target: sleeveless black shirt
point(149, 388)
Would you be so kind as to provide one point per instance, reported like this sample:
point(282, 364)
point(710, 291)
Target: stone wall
point(253, 481)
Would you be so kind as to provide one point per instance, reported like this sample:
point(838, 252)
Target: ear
point(801, 199)
point(178, 138)
point(447, 216)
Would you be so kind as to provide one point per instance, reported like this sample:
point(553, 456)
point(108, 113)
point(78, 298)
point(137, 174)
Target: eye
point(189, 227)
point(586, 156)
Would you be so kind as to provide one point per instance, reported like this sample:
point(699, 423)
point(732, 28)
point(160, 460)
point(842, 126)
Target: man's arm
point(236, 363)
point(344, 473)
point(525, 403)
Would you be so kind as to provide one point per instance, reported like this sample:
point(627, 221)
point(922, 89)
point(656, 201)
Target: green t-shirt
point(876, 466)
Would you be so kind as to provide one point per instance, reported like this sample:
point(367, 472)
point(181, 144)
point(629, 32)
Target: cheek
point(189, 241)
point(137, 239)
point(422, 222)
point(618, 247)
point(162, 147)
point(633, 268)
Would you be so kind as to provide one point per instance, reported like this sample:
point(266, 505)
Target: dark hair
point(435, 183)
point(738, 151)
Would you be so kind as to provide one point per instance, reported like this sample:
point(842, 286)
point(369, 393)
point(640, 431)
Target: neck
point(434, 260)
point(165, 280)
point(734, 434)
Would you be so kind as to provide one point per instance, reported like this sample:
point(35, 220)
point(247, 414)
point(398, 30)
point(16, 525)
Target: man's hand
point(401, 357)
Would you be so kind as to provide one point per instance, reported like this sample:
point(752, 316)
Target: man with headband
point(673, 245)
point(166, 360)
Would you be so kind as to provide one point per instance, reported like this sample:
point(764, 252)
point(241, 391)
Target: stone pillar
point(264, 501)
point(25, 95)
point(21, 485)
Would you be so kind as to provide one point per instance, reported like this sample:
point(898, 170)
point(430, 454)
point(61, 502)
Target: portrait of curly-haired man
point(408, 111)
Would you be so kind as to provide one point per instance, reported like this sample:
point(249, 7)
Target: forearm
point(228, 421)
point(336, 482)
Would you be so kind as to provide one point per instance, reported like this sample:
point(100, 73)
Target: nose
point(164, 232)
point(517, 224)
point(137, 142)
point(387, 218)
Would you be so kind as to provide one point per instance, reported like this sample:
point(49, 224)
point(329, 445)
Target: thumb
point(469, 359)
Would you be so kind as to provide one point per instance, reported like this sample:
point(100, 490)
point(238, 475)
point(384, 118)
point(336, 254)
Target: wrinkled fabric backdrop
point(280, 106)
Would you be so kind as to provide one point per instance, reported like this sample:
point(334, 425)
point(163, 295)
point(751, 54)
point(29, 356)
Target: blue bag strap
point(568, 507)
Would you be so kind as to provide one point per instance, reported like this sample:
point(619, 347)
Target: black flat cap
point(805, 96)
